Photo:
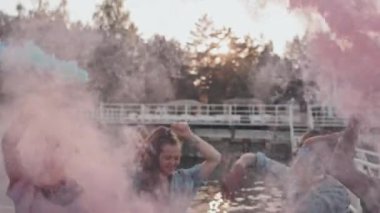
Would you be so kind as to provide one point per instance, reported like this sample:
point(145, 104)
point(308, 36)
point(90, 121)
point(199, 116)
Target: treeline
point(216, 65)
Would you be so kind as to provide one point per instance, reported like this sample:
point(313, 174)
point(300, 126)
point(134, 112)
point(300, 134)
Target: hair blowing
point(149, 158)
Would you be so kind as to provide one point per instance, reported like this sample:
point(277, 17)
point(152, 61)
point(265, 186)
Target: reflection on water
point(256, 197)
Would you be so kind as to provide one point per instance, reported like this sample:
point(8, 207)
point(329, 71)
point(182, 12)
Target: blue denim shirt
point(186, 181)
point(183, 187)
point(325, 196)
point(28, 199)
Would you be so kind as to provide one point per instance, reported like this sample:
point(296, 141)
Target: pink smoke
point(61, 139)
point(347, 55)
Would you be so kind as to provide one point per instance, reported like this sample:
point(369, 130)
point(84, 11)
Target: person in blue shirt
point(58, 193)
point(311, 183)
point(159, 178)
point(336, 152)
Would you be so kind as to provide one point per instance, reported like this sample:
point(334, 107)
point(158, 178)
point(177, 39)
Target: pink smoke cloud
point(61, 139)
point(347, 54)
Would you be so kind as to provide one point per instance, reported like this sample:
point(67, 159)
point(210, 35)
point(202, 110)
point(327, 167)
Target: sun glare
point(218, 204)
point(268, 21)
point(222, 49)
point(275, 23)
point(271, 21)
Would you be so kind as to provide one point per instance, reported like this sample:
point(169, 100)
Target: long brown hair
point(149, 158)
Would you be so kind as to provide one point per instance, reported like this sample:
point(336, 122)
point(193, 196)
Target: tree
point(167, 60)
point(128, 69)
point(20, 10)
point(220, 61)
point(61, 10)
point(277, 80)
point(303, 65)
point(137, 71)
point(5, 25)
point(169, 53)
point(42, 5)
point(116, 70)
point(112, 19)
point(120, 64)
point(5, 28)
point(67, 41)
point(269, 77)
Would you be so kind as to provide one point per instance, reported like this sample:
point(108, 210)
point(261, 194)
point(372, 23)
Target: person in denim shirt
point(158, 177)
point(58, 193)
point(308, 186)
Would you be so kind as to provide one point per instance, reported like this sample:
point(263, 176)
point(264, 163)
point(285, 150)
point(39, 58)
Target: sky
point(263, 19)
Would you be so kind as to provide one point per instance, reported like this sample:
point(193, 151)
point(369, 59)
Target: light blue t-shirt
point(183, 187)
point(27, 198)
point(186, 181)
point(325, 196)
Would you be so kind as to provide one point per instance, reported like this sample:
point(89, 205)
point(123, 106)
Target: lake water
point(255, 196)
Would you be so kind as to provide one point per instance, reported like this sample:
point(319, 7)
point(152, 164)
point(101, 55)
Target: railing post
point(276, 114)
point(124, 114)
point(142, 113)
point(293, 141)
point(118, 114)
point(310, 118)
point(230, 114)
point(100, 114)
point(186, 109)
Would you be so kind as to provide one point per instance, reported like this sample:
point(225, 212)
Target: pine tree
point(220, 61)
point(113, 19)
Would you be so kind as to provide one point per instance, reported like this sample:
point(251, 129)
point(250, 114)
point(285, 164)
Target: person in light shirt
point(53, 191)
point(159, 178)
point(317, 180)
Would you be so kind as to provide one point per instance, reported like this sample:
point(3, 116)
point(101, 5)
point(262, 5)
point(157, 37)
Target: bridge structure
point(255, 123)
point(235, 123)
point(278, 125)
point(243, 121)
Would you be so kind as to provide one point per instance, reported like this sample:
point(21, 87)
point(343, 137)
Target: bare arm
point(246, 160)
point(337, 151)
point(62, 193)
point(344, 170)
point(233, 179)
point(274, 171)
point(11, 155)
point(331, 139)
point(347, 141)
point(211, 155)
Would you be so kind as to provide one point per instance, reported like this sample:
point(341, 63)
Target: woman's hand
point(209, 153)
point(233, 180)
point(182, 130)
point(63, 193)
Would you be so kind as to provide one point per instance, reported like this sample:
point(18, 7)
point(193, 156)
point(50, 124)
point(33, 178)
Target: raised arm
point(209, 153)
point(233, 179)
point(246, 160)
point(342, 167)
point(62, 192)
point(11, 155)
point(349, 138)
point(258, 163)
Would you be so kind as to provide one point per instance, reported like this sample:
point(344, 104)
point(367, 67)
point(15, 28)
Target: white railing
point(201, 114)
point(368, 162)
point(220, 114)
point(287, 115)
point(317, 116)
point(324, 116)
